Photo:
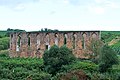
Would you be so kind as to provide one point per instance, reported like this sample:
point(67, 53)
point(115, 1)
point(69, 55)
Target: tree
point(56, 57)
point(4, 43)
point(107, 58)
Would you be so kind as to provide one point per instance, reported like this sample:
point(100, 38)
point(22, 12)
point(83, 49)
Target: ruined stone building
point(33, 44)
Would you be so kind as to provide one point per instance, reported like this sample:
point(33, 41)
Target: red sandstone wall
point(38, 42)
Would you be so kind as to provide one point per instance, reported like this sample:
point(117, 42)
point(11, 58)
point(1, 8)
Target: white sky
point(32, 15)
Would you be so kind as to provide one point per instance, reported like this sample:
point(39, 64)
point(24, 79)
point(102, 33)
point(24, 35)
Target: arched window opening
point(47, 45)
point(65, 39)
point(56, 39)
point(74, 41)
point(18, 43)
point(11, 41)
point(12, 37)
point(94, 35)
point(83, 41)
point(38, 42)
point(29, 42)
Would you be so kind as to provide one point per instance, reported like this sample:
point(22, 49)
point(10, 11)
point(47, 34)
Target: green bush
point(3, 34)
point(4, 43)
point(27, 63)
point(116, 47)
point(72, 75)
point(23, 74)
point(56, 57)
point(107, 36)
point(39, 76)
point(4, 53)
point(107, 58)
point(21, 68)
point(87, 66)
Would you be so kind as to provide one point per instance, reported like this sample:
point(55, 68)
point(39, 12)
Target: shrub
point(4, 43)
point(21, 68)
point(72, 75)
point(39, 76)
point(56, 57)
point(4, 53)
point(116, 47)
point(107, 58)
point(87, 66)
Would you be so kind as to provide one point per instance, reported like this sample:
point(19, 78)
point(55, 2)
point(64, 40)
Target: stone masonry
point(33, 44)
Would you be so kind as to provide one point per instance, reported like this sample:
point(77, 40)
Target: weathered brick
point(39, 40)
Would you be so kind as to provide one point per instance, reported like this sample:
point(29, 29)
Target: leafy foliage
point(3, 34)
point(4, 43)
point(4, 54)
point(108, 57)
point(107, 36)
point(72, 75)
point(116, 47)
point(76, 70)
point(59, 61)
point(33, 69)
point(83, 65)
point(13, 30)
point(22, 69)
point(56, 57)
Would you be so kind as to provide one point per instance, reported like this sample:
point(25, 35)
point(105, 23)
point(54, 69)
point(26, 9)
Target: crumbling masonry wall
point(33, 44)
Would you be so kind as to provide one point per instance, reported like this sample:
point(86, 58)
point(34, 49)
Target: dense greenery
point(108, 36)
point(3, 34)
point(4, 40)
point(116, 47)
point(56, 57)
point(60, 64)
point(4, 43)
point(34, 69)
point(107, 58)
point(21, 68)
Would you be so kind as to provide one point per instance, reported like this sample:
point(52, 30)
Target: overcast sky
point(32, 15)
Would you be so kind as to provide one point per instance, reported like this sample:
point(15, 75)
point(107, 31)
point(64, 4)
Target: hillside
point(107, 36)
point(112, 38)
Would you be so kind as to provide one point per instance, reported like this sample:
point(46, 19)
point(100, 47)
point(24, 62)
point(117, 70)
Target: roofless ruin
point(33, 44)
